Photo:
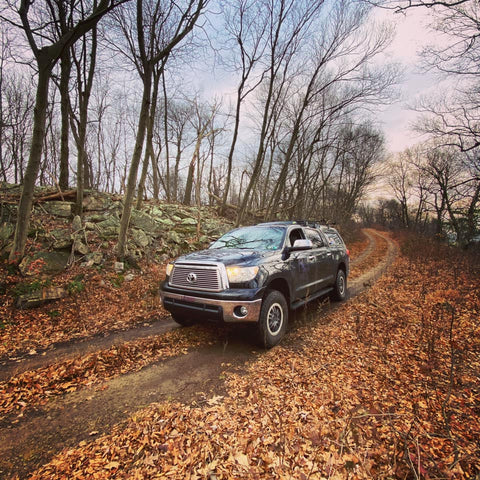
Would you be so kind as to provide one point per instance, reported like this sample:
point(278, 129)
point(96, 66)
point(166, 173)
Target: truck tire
point(183, 320)
point(273, 321)
point(340, 288)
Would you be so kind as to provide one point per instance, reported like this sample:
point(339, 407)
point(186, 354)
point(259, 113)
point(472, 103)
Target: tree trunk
point(149, 153)
point(178, 157)
point(230, 153)
point(187, 199)
point(65, 67)
point(167, 148)
point(132, 175)
point(81, 161)
point(258, 160)
point(33, 166)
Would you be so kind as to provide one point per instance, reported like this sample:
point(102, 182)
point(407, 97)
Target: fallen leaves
point(35, 387)
point(348, 399)
point(101, 307)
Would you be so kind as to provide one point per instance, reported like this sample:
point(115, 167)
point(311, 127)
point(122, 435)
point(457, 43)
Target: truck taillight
point(348, 252)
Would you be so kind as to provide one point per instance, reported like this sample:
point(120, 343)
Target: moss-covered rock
point(44, 262)
point(59, 208)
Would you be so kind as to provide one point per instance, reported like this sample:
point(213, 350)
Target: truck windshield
point(256, 238)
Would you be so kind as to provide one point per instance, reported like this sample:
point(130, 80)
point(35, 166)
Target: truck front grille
point(196, 277)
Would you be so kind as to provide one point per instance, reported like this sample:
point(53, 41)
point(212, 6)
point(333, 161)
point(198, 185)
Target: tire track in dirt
point(191, 378)
point(77, 348)
point(365, 280)
point(368, 251)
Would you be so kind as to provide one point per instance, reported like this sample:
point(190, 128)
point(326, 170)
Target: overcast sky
point(412, 34)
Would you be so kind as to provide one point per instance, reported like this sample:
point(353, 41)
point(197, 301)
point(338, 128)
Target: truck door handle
point(311, 258)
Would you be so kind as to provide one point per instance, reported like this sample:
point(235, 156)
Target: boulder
point(61, 239)
point(77, 224)
point(79, 246)
point(143, 221)
point(108, 228)
point(140, 238)
point(189, 221)
point(166, 222)
point(173, 237)
point(203, 240)
point(44, 262)
point(6, 231)
point(96, 202)
point(94, 258)
point(156, 212)
point(59, 208)
point(96, 217)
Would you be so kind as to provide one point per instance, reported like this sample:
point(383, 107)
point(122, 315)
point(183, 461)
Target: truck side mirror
point(301, 244)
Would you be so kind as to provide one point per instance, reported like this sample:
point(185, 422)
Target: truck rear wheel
point(340, 288)
point(273, 321)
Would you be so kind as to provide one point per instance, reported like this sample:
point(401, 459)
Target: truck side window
point(296, 234)
point(315, 238)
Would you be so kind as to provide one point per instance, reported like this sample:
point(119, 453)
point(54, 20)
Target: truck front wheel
point(273, 319)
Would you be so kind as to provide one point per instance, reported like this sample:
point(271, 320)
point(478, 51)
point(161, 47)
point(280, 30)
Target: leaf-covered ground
point(33, 388)
point(387, 386)
point(106, 302)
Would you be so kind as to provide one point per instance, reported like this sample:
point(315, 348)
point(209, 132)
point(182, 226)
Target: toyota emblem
point(191, 278)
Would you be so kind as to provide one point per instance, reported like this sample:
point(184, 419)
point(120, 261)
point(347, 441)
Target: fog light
point(240, 311)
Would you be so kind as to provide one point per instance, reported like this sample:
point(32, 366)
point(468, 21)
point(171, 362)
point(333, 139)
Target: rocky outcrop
point(158, 229)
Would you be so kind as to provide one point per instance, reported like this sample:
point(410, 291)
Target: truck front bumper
point(229, 311)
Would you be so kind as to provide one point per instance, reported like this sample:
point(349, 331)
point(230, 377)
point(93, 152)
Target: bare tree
point(84, 56)
point(18, 102)
point(178, 134)
point(288, 22)
point(36, 20)
point(152, 32)
point(457, 22)
point(203, 121)
point(339, 62)
point(246, 23)
point(149, 150)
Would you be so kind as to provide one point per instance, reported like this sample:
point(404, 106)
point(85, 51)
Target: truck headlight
point(241, 274)
point(169, 269)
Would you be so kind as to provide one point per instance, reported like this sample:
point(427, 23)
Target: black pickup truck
point(256, 275)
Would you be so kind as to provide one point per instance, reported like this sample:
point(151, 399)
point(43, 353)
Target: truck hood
point(227, 256)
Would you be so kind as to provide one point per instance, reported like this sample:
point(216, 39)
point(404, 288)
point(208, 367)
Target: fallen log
point(70, 194)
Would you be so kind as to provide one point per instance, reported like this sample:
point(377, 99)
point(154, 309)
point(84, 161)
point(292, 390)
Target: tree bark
point(65, 69)
point(187, 199)
point(132, 174)
point(149, 152)
point(33, 166)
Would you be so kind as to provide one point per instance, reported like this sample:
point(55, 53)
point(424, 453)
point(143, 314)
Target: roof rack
point(303, 223)
point(311, 223)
